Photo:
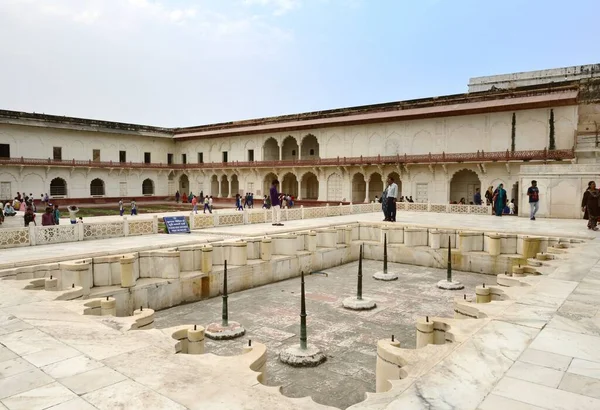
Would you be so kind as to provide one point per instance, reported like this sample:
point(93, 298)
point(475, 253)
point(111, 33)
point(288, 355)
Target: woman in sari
point(499, 200)
point(591, 203)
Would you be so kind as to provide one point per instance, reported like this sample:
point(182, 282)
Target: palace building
point(507, 129)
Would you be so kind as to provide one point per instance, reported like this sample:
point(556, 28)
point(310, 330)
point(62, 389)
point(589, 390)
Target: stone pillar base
point(454, 285)
point(358, 304)
point(217, 331)
point(297, 357)
point(385, 276)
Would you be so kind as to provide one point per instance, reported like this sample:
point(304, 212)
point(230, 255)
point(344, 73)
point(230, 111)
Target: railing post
point(125, 226)
point(428, 206)
point(301, 211)
point(155, 224)
point(192, 221)
point(80, 232)
point(245, 217)
point(215, 219)
point(31, 233)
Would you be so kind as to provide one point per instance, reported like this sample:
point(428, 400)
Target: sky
point(177, 63)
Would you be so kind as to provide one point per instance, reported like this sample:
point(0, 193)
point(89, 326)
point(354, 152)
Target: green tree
point(552, 144)
point(513, 132)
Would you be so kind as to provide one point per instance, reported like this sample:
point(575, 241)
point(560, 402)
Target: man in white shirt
point(392, 194)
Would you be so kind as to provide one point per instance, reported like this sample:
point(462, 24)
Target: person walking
point(206, 204)
point(238, 203)
point(533, 192)
point(47, 217)
point(121, 207)
point(133, 207)
point(391, 195)
point(499, 200)
point(275, 204)
point(210, 204)
point(195, 204)
point(477, 197)
point(56, 215)
point(177, 196)
point(591, 203)
point(585, 212)
point(29, 216)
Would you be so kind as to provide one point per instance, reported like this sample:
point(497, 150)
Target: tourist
point(585, 212)
point(251, 199)
point(8, 209)
point(206, 205)
point(46, 199)
point(477, 197)
point(29, 216)
point(18, 197)
point(73, 213)
point(210, 204)
point(201, 194)
point(184, 198)
point(1, 216)
point(489, 195)
point(195, 204)
point(591, 202)
point(275, 204)
point(80, 220)
point(462, 201)
point(121, 207)
point(238, 203)
point(534, 199)
point(499, 200)
point(56, 215)
point(376, 200)
point(190, 197)
point(47, 217)
point(384, 204)
point(391, 195)
point(410, 199)
point(133, 207)
point(177, 196)
point(23, 206)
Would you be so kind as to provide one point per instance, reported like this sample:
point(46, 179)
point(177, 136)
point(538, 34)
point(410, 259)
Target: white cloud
point(278, 7)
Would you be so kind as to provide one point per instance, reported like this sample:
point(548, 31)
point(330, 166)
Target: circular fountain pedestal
point(217, 331)
point(385, 276)
point(353, 303)
point(454, 285)
point(298, 357)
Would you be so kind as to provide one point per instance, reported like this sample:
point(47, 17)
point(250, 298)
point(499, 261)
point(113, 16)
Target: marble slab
point(14, 366)
point(495, 402)
point(19, 383)
point(129, 394)
point(585, 325)
point(546, 359)
point(71, 367)
point(92, 380)
point(585, 368)
point(542, 396)
point(74, 404)
point(6, 354)
point(586, 386)
point(39, 398)
point(568, 344)
point(527, 315)
point(535, 374)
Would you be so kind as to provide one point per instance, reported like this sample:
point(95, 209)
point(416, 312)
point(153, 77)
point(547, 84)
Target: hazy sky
point(191, 62)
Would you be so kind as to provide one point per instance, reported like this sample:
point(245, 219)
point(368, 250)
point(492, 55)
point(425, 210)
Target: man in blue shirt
point(477, 197)
point(275, 204)
point(534, 199)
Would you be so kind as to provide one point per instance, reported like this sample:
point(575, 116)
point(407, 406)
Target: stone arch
point(184, 184)
point(359, 187)
point(309, 186)
point(309, 147)
point(335, 147)
point(500, 132)
point(375, 186)
point(214, 185)
point(148, 187)
point(289, 149)
point(334, 187)
point(289, 184)
point(465, 136)
point(422, 143)
point(271, 150)
point(463, 185)
point(224, 186)
point(33, 183)
point(58, 188)
point(375, 145)
point(235, 185)
point(268, 181)
point(97, 187)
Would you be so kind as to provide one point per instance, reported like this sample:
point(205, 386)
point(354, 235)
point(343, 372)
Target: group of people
point(133, 207)
point(498, 198)
point(185, 198)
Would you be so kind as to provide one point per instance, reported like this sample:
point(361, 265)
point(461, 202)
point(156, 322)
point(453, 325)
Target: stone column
point(299, 196)
point(229, 182)
point(127, 278)
point(367, 190)
point(424, 332)
point(280, 154)
point(266, 249)
point(219, 183)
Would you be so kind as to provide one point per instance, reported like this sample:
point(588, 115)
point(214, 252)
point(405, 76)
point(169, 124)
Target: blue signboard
point(176, 224)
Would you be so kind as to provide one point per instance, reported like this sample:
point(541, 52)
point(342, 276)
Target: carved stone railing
point(479, 156)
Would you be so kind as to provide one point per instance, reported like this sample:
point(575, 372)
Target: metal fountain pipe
point(385, 270)
point(225, 321)
point(359, 288)
point(303, 337)
point(449, 271)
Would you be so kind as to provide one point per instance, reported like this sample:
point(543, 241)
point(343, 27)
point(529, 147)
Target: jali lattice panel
point(231, 219)
point(13, 237)
point(204, 221)
point(55, 234)
point(103, 230)
point(140, 228)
